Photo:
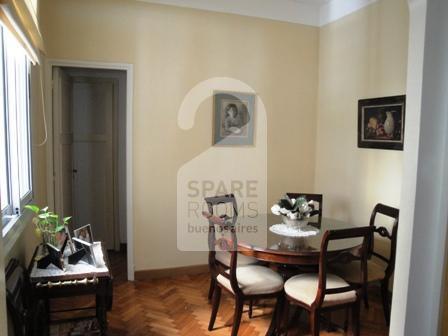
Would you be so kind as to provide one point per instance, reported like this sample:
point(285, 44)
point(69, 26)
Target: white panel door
point(94, 105)
point(63, 139)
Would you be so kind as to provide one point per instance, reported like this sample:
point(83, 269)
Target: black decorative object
point(381, 122)
point(54, 256)
point(75, 257)
point(87, 247)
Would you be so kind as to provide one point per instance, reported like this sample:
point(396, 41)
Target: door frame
point(128, 68)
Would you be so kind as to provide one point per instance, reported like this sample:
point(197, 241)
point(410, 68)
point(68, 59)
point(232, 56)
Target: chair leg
point(385, 297)
point(365, 295)
point(356, 307)
point(330, 324)
point(251, 307)
point(347, 311)
point(284, 318)
point(279, 313)
point(216, 300)
point(212, 288)
point(239, 304)
point(314, 322)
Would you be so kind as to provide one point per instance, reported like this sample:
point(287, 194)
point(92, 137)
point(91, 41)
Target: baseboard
point(170, 272)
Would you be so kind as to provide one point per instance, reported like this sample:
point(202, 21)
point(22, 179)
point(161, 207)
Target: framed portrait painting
point(233, 119)
point(381, 122)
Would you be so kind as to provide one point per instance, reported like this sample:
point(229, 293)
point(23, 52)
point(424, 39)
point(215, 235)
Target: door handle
point(75, 170)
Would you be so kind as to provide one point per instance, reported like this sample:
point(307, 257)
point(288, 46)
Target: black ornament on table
point(84, 251)
point(55, 256)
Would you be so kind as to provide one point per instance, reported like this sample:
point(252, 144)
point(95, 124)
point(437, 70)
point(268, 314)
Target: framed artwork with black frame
point(381, 122)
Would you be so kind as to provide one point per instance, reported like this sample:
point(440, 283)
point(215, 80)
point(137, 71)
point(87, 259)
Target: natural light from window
point(15, 151)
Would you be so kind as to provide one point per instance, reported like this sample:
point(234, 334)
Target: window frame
point(17, 113)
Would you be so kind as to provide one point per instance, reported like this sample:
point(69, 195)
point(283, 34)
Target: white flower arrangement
point(294, 208)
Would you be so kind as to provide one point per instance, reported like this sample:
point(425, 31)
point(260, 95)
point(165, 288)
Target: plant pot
point(295, 223)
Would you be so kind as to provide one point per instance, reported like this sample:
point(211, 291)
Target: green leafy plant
point(48, 224)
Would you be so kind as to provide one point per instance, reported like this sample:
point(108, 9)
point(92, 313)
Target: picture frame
point(233, 118)
point(84, 233)
point(381, 122)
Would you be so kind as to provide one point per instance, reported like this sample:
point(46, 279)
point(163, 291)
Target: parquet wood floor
point(179, 306)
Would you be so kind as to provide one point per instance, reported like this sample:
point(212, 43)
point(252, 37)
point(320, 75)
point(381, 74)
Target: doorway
point(89, 150)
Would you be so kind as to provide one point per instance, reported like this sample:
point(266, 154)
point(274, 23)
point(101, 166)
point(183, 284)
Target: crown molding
point(293, 11)
point(308, 12)
point(337, 9)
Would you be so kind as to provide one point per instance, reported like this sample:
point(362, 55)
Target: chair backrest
point(317, 198)
point(16, 285)
point(224, 225)
point(385, 233)
point(329, 257)
point(213, 203)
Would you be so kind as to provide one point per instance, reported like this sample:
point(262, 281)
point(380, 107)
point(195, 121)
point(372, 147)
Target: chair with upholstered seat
point(222, 257)
point(379, 268)
point(322, 292)
point(246, 283)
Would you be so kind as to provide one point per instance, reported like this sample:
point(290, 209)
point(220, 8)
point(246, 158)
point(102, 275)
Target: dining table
point(257, 240)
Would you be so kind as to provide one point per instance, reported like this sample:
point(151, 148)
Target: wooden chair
point(318, 198)
point(222, 257)
point(24, 318)
point(324, 292)
point(379, 268)
point(246, 283)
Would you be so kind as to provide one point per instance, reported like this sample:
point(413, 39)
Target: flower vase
point(294, 223)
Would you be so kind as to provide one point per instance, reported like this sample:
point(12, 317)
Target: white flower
point(304, 208)
point(292, 215)
point(284, 211)
point(293, 201)
point(276, 209)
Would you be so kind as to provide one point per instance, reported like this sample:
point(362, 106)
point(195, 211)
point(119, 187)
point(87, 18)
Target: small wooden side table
point(75, 280)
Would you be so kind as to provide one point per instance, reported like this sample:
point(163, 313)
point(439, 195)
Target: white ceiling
point(309, 12)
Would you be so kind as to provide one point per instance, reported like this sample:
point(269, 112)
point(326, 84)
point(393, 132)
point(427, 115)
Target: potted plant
point(49, 226)
point(294, 211)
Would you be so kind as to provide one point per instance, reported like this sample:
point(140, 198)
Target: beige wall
point(363, 55)
point(173, 49)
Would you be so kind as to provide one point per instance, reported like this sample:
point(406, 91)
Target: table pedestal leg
point(276, 321)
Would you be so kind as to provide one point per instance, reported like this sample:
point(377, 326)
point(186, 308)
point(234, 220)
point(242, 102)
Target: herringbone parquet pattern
point(179, 306)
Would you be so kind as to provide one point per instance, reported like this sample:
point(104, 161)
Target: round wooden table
point(256, 240)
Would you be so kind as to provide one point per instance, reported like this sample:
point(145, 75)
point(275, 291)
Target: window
point(15, 150)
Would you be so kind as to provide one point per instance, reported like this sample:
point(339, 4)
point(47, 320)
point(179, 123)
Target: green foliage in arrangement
point(48, 224)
